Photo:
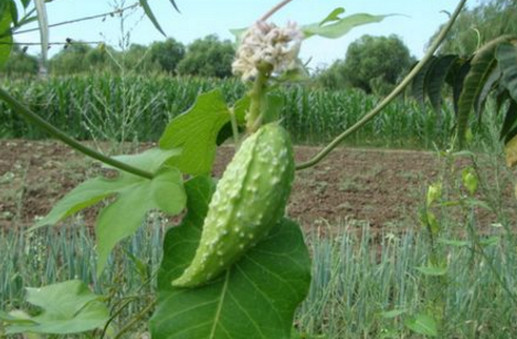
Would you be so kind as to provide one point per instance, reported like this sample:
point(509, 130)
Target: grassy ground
point(364, 285)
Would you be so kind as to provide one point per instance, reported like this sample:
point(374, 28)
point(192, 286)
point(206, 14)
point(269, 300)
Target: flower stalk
point(257, 94)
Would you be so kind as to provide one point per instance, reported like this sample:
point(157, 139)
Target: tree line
point(372, 64)
point(207, 57)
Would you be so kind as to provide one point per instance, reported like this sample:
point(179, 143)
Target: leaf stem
point(374, 112)
point(114, 315)
point(58, 134)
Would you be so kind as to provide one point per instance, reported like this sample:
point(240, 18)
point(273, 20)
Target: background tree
point(332, 77)
point(20, 63)
point(99, 59)
point(479, 25)
point(78, 57)
point(167, 54)
point(71, 59)
point(373, 64)
point(138, 57)
point(208, 57)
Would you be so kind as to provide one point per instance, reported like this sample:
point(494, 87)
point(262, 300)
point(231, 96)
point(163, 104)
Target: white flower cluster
point(267, 43)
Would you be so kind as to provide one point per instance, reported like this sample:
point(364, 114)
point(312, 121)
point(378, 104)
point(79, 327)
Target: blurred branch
point(52, 43)
point(112, 13)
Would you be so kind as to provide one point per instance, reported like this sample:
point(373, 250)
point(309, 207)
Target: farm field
point(381, 187)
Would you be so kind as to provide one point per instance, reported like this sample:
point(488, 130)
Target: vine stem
point(374, 112)
point(136, 319)
point(58, 134)
point(274, 10)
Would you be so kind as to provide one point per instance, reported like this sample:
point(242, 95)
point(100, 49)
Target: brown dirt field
point(384, 188)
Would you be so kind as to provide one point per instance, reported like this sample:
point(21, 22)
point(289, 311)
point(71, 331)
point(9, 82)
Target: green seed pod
point(250, 198)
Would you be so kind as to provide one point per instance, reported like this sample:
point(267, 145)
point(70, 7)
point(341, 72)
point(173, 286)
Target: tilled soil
point(384, 188)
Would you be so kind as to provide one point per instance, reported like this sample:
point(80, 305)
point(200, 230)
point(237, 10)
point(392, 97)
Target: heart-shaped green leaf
point(135, 196)
point(67, 307)
point(273, 276)
point(195, 132)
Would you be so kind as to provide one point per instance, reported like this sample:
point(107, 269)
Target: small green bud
point(470, 180)
point(434, 193)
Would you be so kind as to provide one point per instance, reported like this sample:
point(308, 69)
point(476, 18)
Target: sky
point(416, 22)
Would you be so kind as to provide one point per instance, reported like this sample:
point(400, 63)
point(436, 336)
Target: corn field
point(136, 108)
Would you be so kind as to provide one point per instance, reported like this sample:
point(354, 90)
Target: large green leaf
point(239, 110)
point(67, 307)
point(26, 3)
point(491, 81)
point(331, 27)
point(506, 55)
point(481, 67)
point(501, 96)
point(272, 109)
point(173, 3)
point(94, 190)
point(333, 16)
point(135, 196)
point(334, 27)
point(195, 131)
point(14, 12)
point(509, 129)
point(456, 77)
point(255, 298)
point(85, 195)
point(150, 15)
point(418, 83)
point(6, 38)
point(435, 79)
point(123, 217)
